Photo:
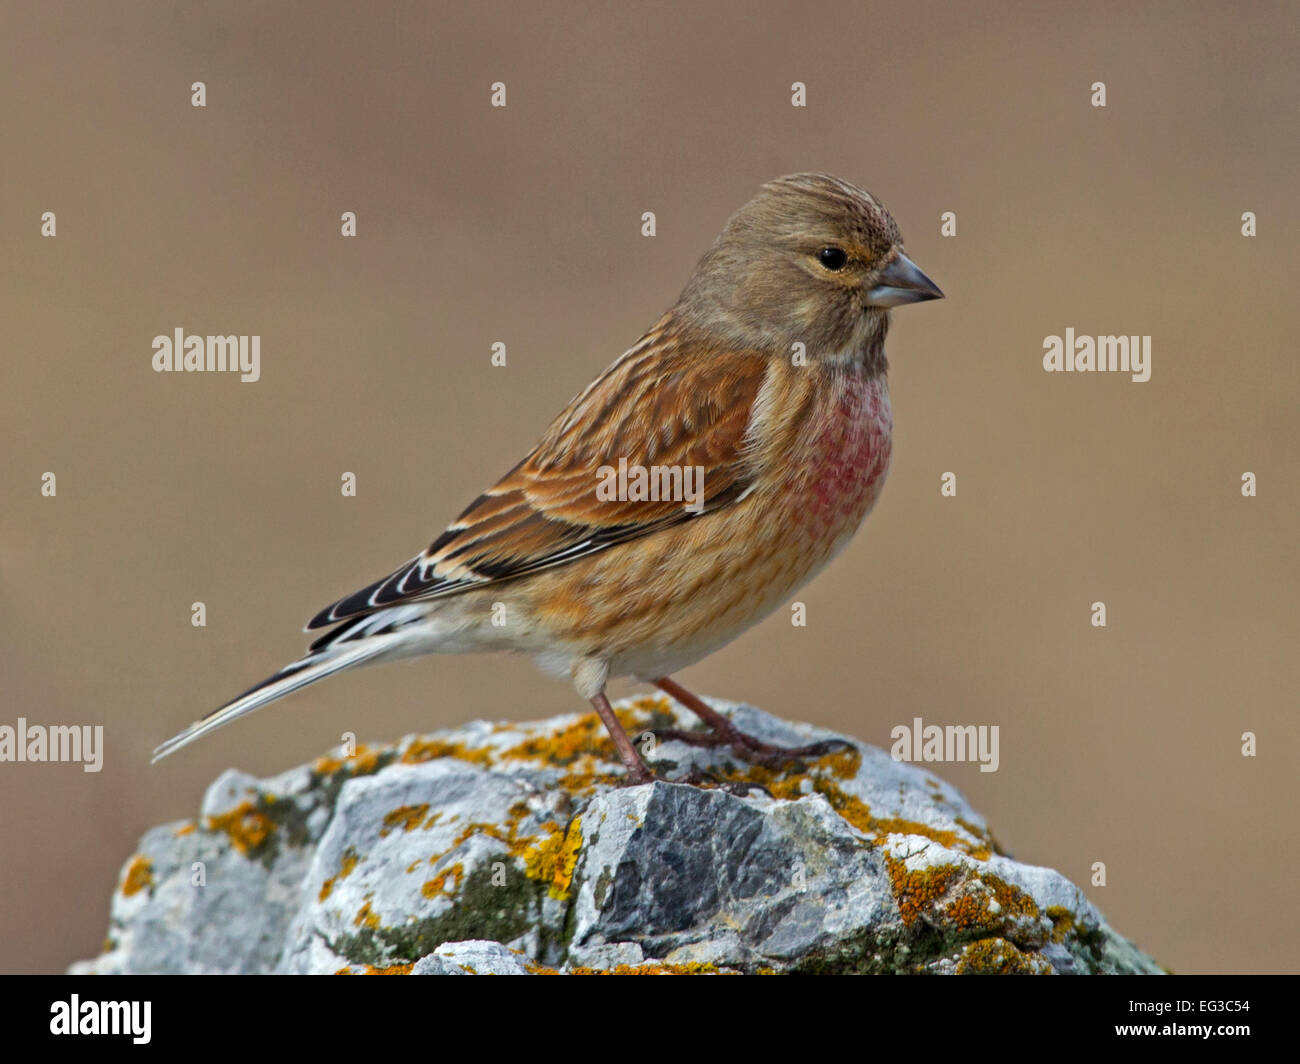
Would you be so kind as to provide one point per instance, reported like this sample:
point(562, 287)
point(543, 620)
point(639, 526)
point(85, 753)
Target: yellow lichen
point(997, 956)
point(583, 748)
point(361, 763)
point(990, 844)
point(365, 917)
point(391, 969)
point(365, 761)
point(407, 817)
point(435, 886)
point(139, 875)
point(844, 765)
point(246, 826)
point(479, 828)
point(586, 736)
point(432, 749)
point(694, 968)
point(554, 858)
point(346, 865)
point(1063, 922)
point(971, 908)
point(550, 859)
point(185, 829)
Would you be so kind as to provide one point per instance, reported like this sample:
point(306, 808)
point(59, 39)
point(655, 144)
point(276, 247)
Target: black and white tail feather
point(543, 513)
point(373, 637)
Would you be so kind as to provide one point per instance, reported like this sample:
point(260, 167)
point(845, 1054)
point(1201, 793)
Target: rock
point(475, 957)
point(513, 848)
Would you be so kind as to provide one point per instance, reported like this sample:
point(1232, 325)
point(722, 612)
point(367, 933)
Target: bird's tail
point(307, 670)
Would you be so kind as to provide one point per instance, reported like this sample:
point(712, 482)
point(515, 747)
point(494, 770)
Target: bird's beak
point(902, 282)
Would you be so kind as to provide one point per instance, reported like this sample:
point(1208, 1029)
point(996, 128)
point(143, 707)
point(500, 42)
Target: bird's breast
point(841, 457)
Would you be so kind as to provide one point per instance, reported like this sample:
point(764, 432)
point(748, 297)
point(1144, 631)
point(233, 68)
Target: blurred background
point(522, 225)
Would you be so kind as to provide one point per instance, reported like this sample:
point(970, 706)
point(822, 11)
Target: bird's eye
point(832, 258)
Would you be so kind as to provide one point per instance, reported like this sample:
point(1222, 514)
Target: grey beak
point(902, 282)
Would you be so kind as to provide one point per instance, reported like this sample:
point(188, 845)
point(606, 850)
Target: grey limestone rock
point(513, 848)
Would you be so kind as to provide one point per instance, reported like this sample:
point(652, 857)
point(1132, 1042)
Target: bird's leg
point(637, 770)
point(723, 733)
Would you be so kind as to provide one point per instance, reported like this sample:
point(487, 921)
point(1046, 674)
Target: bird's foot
point(702, 778)
point(697, 778)
point(721, 732)
point(755, 751)
point(635, 776)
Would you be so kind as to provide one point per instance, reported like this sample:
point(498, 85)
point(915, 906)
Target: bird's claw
point(753, 750)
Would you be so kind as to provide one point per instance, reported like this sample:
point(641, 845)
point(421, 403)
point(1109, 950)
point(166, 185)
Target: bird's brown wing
point(669, 401)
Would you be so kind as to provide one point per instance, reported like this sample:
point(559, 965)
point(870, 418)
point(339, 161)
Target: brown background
point(522, 225)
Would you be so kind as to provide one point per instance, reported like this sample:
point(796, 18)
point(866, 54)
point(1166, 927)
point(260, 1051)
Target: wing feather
point(672, 400)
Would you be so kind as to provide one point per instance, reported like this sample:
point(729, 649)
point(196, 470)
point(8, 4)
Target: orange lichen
point(916, 892)
point(431, 749)
point(435, 886)
point(971, 908)
point(185, 829)
point(346, 865)
point(139, 875)
point(407, 817)
point(1013, 902)
point(694, 968)
point(365, 761)
point(468, 831)
point(361, 763)
point(971, 912)
point(371, 969)
point(246, 826)
point(365, 917)
point(844, 765)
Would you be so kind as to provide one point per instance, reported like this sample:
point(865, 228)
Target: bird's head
point(810, 259)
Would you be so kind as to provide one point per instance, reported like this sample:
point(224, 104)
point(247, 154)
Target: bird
point(763, 390)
